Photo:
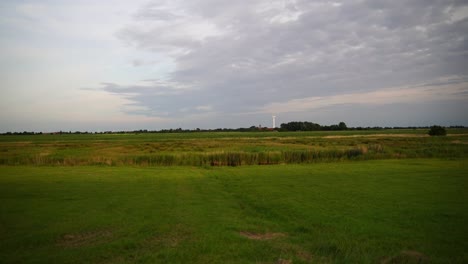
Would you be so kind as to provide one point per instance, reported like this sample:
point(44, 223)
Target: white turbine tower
point(274, 121)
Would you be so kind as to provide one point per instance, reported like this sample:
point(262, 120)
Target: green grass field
point(385, 211)
point(392, 196)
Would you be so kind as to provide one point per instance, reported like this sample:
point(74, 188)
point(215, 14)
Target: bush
point(437, 131)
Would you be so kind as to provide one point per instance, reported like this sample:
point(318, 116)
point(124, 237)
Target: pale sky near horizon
point(143, 64)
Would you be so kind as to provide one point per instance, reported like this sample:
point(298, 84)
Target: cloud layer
point(267, 56)
point(91, 65)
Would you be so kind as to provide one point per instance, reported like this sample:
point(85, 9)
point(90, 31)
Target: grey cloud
point(158, 97)
point(252, 59)
point(154, 13)
point(455, 80)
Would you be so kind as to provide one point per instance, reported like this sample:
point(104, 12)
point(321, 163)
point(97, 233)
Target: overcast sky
point(123, 65)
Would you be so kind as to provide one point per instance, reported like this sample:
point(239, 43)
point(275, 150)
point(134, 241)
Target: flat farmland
point(228, 148)
point(352, 197)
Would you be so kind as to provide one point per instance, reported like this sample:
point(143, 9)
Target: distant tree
point(342, 126)
point(300, 126)
point(437, 131)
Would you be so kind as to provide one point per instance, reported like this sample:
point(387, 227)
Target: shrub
point(437, 131)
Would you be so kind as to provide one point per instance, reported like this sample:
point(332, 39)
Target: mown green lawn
point(381, 211)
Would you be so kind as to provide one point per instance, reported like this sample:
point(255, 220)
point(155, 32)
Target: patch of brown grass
point(304, 256)
point(459, 142)
point(84, 239)
point(259, 236)
point(379, 136)
point(457, 135)
point(407, 257)
point(171, 239)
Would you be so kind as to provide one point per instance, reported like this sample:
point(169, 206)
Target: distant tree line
point(22, 133)
point(309, 126)
point(291, 126)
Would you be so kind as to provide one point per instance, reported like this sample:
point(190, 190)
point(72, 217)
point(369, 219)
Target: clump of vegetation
point(437, 131)
point(309, 126)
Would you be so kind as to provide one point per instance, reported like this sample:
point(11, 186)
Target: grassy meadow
point(326, 197)
point(228, 148)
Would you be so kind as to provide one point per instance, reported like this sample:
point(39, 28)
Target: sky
point(116, 65)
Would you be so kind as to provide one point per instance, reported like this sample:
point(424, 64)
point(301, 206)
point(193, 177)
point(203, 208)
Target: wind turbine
point(274, 121)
